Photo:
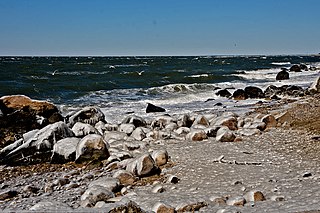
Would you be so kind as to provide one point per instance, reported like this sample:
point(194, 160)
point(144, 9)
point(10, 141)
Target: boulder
point(114, 135)
point(254, 195)
point(240, 94)
point(282, 75)
point(224, 93)
point(304, 67)
point(191, 206)
point(20, 114)
point(160, 157)
point(135, 120)
point(83, 129)
point(196, 135)
point(295, 68)
point(7, 194)
point(140, 133)
point(202, 120)
point(272, 90)
point(182, 131)
point(249, 132)
point(124, 205)
point(269, 120)
point(95, 194)
point(142, 166)
point(254, 92)
point(38, 148)
point(126, 128)
point(109, 183)
point(154, 108)
point(185, 121)
point(125, 178)
point(229, 121)
point(224, 134)
point(315, 86)
point(212, 131)
point(88, 115)
point(65, 150)
point(236, 201)
point(92, 147)
point(162, 121)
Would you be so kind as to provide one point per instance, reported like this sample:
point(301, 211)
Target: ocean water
point(124, 85)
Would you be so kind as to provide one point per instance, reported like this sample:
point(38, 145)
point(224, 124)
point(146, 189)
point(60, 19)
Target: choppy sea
point(123, 85)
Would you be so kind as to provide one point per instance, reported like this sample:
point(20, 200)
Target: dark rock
point(135, 120)
point(282, 75)
point(304, 67)
point(153, 108)
point(7, 194)
point(254, 92)
point(272, 90)
point(295, 68)
point(240, 94)
point(21, 114)
point(224, 93)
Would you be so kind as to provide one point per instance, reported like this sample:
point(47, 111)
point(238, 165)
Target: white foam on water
point(281, 63)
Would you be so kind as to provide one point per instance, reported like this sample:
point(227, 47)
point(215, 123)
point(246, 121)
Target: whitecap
point(281, 63)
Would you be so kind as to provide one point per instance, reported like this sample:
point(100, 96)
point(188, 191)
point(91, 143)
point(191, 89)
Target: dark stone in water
point(283, 75)
point(223, 93)
point(254, 92)
point(154, 108)
point(295, 68)
point(240, 94)
point(209, 99)
point(304, 67)
point(218, 104)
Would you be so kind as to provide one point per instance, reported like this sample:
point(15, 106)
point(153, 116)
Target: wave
point(281, 63)
point(198, 76)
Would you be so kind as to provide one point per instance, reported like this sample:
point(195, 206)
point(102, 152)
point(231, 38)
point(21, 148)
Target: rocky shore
point(265, 160)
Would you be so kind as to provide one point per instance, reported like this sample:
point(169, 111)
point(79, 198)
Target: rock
point(101, 127)
point(72, 185)
point(51, 206)
point(230, 122)
point(88, 115)
point(202, 120)
point(135, 120)
point(182, 131)
point(272, 90)
point(21, 113)
point(248, 132)
point(236, 201)
point(160, 157)
point(95, 194)
point(158, 189)
point(254, 92)
point(295, 68)
point(142, 166)
point(92, 147)
point(315, 86)
point(140, 133)
point(161, 207)
point(185, 121)
point(218, 201)
point(224, 93)
point(190, 206)
point(7, 194)
point(82, 129)
point(125, 177)
point(124, 205)
point(224, 134)
point(269, 120)
point(254, 195)
point(283, 118)
point(197, 135)
point(60, 181)
point(126, 128)
point(114, 135)
point(109, 183)
point(65, 150)
point(111, 127)
point(39, 147)
point(30, 189)
point(277, 198)
point(162, 121)
point(240, 94)
point(153, 108)
point(173, 179)
point(304, 67)
point(171, 127)
point(282, 75)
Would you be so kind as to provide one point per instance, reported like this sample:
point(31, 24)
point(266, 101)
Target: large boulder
point(254, 92)
point(196, 135)
point(82, 129)
point(88, 115)
point(315, 86)
point(39, 147)
point(224, 134)
point(65, 150)
point(135, 120)
point(20, 114)
point(142, 166)
point(295, 68)
point(239, 94)
point(224, 93)
point(92, 147)
point(95, 194)
point(282, 75)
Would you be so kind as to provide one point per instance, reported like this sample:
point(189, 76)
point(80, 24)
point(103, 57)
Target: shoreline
point(283, 156)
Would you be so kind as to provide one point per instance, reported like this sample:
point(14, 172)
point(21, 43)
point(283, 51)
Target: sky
point(159, 27)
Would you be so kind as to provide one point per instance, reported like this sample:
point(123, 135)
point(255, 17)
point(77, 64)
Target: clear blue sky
point(159, 27)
